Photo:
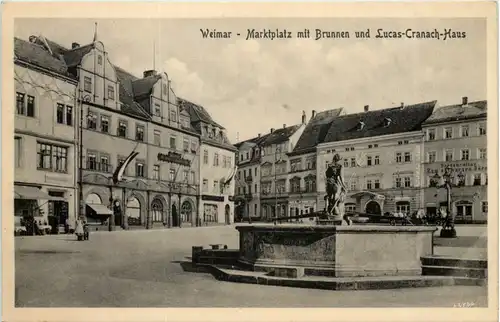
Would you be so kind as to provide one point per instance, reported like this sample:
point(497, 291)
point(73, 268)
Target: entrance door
point(227, 213)
point(175, 217)
point(373, 208)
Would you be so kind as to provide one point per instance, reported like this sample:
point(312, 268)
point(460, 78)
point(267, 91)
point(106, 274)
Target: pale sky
point(250, 86)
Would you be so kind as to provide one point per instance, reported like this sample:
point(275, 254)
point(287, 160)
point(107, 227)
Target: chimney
point(303, 117)
point(402, 104)
point(465, 100)
point(258, 135)
point(313, 114)
point(284, 125)
point(150, 72)
point(367, 107)
point(75, 45)
point(272, 130)
point(33, 39)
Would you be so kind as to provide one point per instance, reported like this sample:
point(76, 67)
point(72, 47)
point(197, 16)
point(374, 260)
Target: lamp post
point(448, 230)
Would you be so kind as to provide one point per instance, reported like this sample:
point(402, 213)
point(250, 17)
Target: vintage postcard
point(244, 162)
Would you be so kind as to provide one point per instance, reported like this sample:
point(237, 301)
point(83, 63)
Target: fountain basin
point(292, 250)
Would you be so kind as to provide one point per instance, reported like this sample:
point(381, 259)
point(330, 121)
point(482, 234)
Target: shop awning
point(33, 193)
point(369, 193)
point(100, 209)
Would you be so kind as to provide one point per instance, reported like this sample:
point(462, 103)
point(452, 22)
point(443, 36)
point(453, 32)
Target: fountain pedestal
point(336, 251)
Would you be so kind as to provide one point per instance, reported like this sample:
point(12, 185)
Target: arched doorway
point(157, 211)
point(175, 217)
point(227, 213)
point(134, 212)
point(373, 208)
point(187, 212)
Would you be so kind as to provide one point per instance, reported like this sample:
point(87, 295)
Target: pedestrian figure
point(79, 229)
point(86, 230)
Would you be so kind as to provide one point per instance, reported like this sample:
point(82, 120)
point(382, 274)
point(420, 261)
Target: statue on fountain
point(336, 191)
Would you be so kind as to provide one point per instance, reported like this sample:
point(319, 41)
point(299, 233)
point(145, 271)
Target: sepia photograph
point(251, 162)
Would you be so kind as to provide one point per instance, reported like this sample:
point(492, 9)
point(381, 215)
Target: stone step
point(454, 271)
point(454, 262)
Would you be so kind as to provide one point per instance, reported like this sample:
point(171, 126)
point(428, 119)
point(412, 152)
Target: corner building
point(455, 137)
point(381, 154)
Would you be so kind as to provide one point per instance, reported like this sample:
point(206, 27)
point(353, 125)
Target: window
point(157, 138)
point(433, 182)
point(216, 159)
point(399, 157)
point(448, 132)
point(407, 157)
point(482, 129)
point(295, 165)
point(105, 167)
point(122, 129)
point(173, 143)
point(352, 148)
point(173, 116)
point(20, 103)
point(407, 182)
point(398, 182)
point(91, 121)
point(353, 185)
point(164, 88)
point(369, 184)
point(91, 161)
point(156, 172)
point(186, 145)
point(120, 162)
point(353, 162)
point(431, 134)
point(111, 92)
point(139, 133)
point(52, 157)
point(347, 149)
point(205, 185)
point(377, 160)
point(17, 152)
point(157, 110)
point(87, 84)
point(377, 184)
point(216, 184)
point(477, 179)
point(69, 115)
point(448, 155)
point(431, 157)
point(400, 142)
point(60, 113)
point(139, 169)
point(30, 106)
point(482, 153)
point(191, 177)
point(193, 149)
point(464, 154)
point(369, 146)
point(346, 163)
point(185, 175)
point(484, 206)
point(171, 175)
point(375, 145)
point(104, 124)
point(205, 157)
point(369, 160)
point(99, 59)
point(464, 130)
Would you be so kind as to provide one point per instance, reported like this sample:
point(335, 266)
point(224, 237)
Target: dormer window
point(361, 126)
point(387, 122)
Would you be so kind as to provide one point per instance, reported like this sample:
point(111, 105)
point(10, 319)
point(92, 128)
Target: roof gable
point(471, 110)
point(280, 135)
point(371, 123)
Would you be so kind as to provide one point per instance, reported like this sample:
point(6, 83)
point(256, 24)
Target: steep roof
point(256, 140)
point(37, 55)
point(472, 110)
point(401, 119)
point(280, 135)
point(73, 57)
point(315, 131)
point(129, 105)
point(197, 112)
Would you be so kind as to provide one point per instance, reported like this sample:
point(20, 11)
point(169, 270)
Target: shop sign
point(465, 166)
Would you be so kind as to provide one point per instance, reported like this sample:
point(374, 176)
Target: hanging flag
point(230, 177)
point(118, 174)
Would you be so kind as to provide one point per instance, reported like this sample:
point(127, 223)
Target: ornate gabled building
point(217, 166)
point(118, 113)
point(381, 154)
point(247, 184)
point(302, 171)
point(455, 138)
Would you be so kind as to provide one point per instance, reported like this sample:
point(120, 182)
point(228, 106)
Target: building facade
point(455, 138)
point(44, 137)
point(100, 114)
point(302, 173)
point(247, 189)
point(381, 154)
point(274, 183)
point(217, 167)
